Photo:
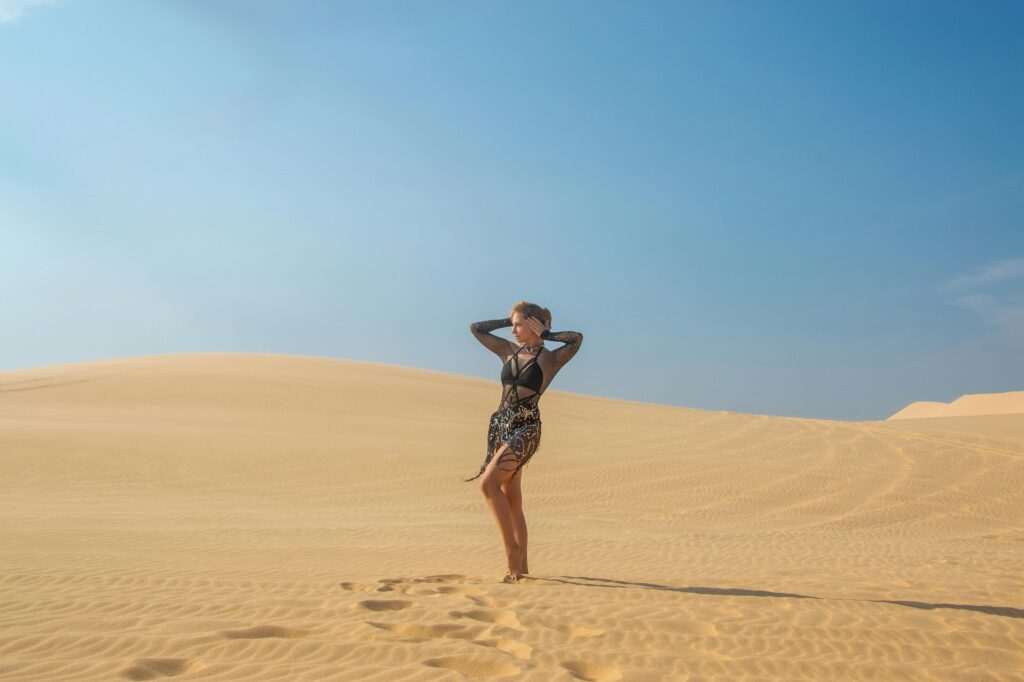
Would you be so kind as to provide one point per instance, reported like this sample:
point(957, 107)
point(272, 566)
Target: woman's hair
point(527, 309)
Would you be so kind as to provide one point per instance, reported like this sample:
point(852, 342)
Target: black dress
point(517, 419)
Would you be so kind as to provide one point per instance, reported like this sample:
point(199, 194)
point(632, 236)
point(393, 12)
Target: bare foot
point(515, 560)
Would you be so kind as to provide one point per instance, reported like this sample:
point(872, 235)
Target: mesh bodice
point(521, 378)
point(527, 370)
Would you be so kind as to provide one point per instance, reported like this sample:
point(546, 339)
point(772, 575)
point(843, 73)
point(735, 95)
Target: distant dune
point(968, 405)
point(251, 517)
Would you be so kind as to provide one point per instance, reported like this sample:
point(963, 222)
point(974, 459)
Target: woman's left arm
point(572, 341)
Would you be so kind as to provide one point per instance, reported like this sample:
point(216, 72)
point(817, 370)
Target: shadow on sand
point(1005, 611)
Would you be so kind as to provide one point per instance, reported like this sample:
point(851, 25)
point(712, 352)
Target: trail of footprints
point(156, 668)
point(484, 622)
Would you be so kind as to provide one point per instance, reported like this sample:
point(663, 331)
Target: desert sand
point(968, 405)
point(272, 517)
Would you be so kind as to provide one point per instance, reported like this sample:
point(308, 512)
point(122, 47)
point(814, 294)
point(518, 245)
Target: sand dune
point(987, 426)
point(265, 517)
point(968, 405)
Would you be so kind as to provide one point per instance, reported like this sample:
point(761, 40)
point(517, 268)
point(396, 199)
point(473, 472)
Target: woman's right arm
point(499, 346)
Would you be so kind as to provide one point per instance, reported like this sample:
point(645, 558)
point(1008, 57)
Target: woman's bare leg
point(513, 491)
point(498, 472)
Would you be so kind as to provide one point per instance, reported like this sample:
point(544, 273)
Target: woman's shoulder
point(546, 355)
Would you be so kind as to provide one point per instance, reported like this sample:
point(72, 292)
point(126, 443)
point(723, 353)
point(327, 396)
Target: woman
point(514, 432)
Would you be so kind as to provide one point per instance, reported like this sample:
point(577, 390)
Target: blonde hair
point(527, 309)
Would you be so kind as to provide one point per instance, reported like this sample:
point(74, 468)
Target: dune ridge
point(256, 516)
point(967, 405)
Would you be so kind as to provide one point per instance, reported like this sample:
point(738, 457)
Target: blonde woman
point(514, 432)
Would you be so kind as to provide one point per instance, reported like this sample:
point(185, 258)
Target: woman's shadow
point(1005, 611)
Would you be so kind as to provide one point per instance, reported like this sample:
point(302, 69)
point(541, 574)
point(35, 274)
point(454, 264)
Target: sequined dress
point(525, 374)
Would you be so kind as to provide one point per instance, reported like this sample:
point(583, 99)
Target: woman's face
point(522, 330)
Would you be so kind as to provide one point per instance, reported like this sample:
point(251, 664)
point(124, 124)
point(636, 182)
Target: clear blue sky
point(793, 208)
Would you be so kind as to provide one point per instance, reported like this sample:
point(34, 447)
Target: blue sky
point(793, 208)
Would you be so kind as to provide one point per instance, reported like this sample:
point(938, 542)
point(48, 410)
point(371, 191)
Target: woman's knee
point(501, 469)
point(513, 492)
point(488, 486)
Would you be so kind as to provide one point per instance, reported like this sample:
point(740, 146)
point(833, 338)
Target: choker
point(532, 348)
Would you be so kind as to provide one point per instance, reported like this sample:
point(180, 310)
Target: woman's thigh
point(502, 466)
point(513, 490)
point(519, 447)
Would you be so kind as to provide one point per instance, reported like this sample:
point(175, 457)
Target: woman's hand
point(536, 325)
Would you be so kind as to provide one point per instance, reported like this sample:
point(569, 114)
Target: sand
point(968, 405)
point(270, 517)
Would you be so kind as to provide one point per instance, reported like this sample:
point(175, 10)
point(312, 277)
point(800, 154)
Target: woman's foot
point(515, 561)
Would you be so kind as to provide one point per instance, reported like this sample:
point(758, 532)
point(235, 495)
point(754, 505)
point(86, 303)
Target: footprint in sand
point(357, 587)
point(388, 584)
point(458, 589)
point(482, 599)
point(385, 604)
point(474, 668)
point(442, 578)
point(574, 630)
point(506, 618)
point(421, 633)
point(155, 668)
point(592, 672)
point(264, 631)
point(445, 583)
point(431, 631)
point(509, 646)
point(424, 591)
